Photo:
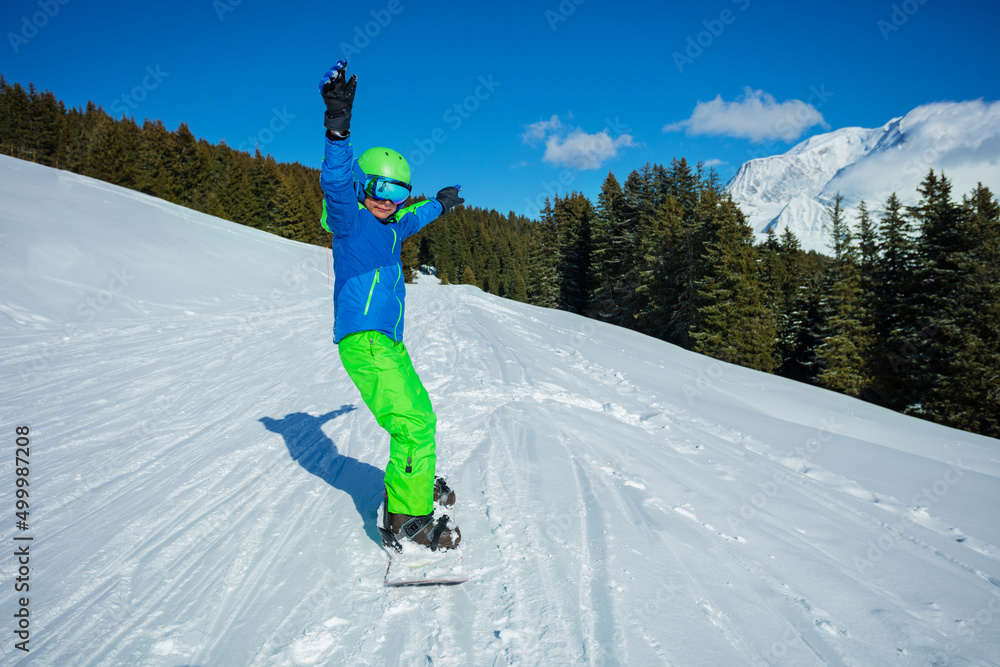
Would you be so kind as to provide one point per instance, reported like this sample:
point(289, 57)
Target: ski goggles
point(381, 187)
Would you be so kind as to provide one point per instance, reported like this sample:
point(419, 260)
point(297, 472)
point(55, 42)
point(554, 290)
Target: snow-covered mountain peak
point(765, 185)
point(845, 143)
point(961, 138)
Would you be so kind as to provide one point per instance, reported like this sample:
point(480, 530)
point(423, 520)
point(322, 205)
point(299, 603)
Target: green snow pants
point(382, 371)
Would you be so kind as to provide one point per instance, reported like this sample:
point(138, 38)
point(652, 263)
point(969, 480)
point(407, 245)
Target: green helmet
point(385, 162)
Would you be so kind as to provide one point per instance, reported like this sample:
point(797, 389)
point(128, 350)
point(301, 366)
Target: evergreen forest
point(904, 312)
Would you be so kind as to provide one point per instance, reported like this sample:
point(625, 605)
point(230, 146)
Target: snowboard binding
point(425, 530)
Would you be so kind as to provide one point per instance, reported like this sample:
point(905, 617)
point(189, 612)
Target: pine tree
point(287, 206)
point(699, 228)
point(867, 249)
point(263, 186)
point(733, 321)
point(658, 289)
point(683, 185)
point(845, 351)
point(154, 154)
point(69, 151)
point(492, 281)
point(519, 289)
point(782, 274)
point(836, 227)
point(941, 245)
point(187, 172)
point(15, 138)
point(469, 277)
point(805, 337)
point(8, 116)
point(543, 260)
point(96, 138)
point(45, 123)
point(965, 356)
point(673, 233)
point(409, 258)
point(639, 202)
point(114, 158)
point(574, 216)
point(611, 241)
point(893, 310)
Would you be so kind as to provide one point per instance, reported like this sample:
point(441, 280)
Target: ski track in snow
point(206, 480)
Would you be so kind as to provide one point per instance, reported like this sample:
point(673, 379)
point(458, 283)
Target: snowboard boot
point(440, 533)
point(444, 496)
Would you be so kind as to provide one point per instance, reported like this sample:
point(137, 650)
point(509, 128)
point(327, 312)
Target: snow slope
point(204, 476)
point(792, 190)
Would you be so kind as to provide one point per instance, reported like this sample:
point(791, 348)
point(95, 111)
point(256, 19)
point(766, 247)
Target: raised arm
point(336, 177)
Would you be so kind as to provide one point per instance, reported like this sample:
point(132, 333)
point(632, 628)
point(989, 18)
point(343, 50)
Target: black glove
point(338, 93)
point(449, 199)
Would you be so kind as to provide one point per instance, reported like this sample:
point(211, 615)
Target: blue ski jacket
point(369, 292)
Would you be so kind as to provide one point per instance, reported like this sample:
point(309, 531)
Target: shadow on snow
point(314, 451)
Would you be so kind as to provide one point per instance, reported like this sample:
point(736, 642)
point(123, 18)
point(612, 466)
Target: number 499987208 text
point(22, 470)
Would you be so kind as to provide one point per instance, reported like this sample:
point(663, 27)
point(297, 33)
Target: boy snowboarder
point(361, 208)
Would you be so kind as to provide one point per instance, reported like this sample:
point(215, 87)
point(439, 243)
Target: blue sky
point(512, 100)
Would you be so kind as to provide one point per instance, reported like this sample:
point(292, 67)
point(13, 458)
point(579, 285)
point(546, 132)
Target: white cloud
point(756, 115)
point(575, 148)
point(584, 151)
point(714, 162)
point(535, 132)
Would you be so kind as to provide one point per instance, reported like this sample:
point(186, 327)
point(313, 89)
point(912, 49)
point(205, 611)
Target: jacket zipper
point(370, 292)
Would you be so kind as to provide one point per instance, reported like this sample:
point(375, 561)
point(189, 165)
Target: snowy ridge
point(790, 191)
point(205, 476)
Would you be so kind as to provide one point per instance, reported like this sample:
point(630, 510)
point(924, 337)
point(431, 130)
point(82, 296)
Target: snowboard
point(419, 566)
